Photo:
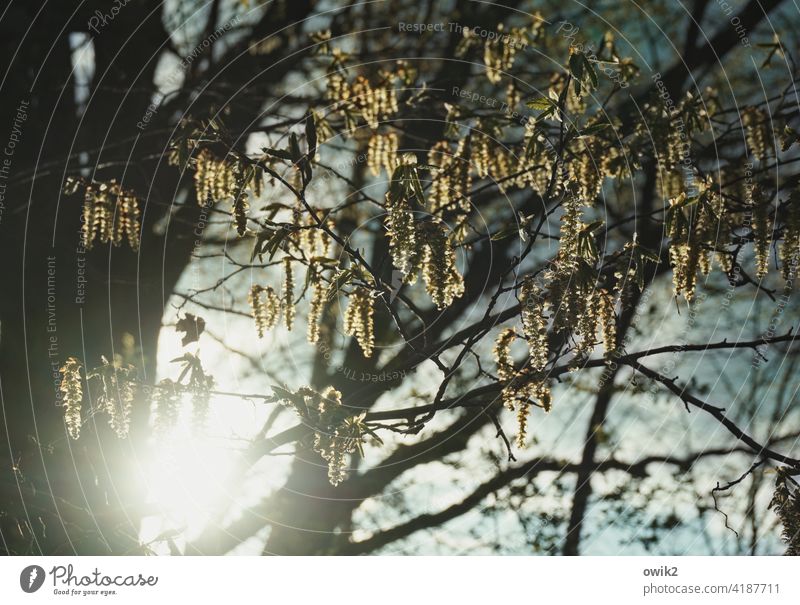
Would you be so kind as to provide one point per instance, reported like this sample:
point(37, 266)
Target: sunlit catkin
point(682, 250)
point(757, 132)
point(790, 248)
point(762, 232)
point(266, 307)
point(359, 321)
point(519, 390)
point(72, 395)
point(126, 220)
point(201, 400)
point(117, 393)
point(452, 180)
point(287, 294)
point(442, 280)
point(607, 321)
point(110, 213)
point(165, 405)
point(317, 304)
point(534, 322)
point(402, 234)
point(523, 409)
point(337, 435)
point(382, 153)
point(505, 363)
point(587, 324)
point(120, 404)
point(499, 53)
point(375, 102)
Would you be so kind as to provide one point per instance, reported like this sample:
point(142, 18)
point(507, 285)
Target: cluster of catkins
point(451, 178)
point(116, 395)
point(229, 178)
point(584, 308)
point(373, 102)
point(522, 387)
point(693, 230)
point(166, 405)
point(700, 229)
point(358, 319)
point(313, 243)
point(668, 130)
point(702, 215)
point(758, 133)
point(167, 397)
point(581, 310)
point(443, 281)
point(337, 432)
point(117, 389)
point(382, 152)
point(790, 248)
point(498, 56)
point(266, 307)
point(424, 247)
point(499, 51)
point(592, 161)
point(110, 213)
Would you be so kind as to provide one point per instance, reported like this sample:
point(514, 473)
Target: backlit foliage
point(117, 387)
point(790, 248)
point(545, 188)
point(114, 387)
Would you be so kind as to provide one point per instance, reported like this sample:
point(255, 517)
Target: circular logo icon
point(31, 578)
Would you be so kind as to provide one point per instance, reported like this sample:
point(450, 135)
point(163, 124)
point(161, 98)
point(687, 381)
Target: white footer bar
point(400, 580)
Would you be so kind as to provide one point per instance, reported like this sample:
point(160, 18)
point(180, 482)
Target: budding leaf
point(311, 136)
point(590, 71)
point(540, 104)
point(576, 64)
